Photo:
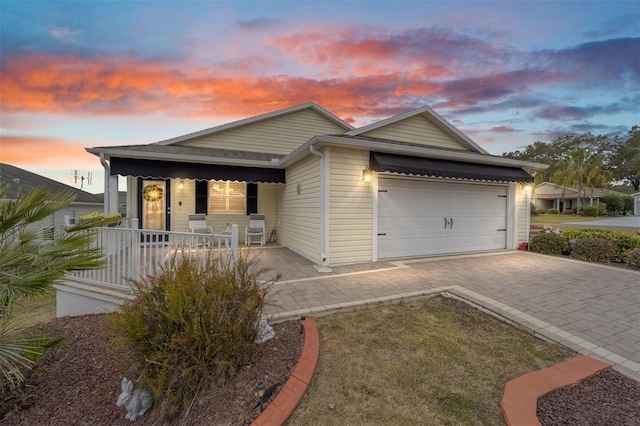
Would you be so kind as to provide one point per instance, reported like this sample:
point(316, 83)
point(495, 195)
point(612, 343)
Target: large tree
point(619, 155)
point(581, 169)
point(625, 159)
point(29, 266)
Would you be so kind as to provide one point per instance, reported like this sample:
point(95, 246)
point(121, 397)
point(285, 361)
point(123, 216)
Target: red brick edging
point(520, 399)
point(279, 410)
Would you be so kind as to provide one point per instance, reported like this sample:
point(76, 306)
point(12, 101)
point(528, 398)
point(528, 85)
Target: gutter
point(323, 209)
point(107, 173)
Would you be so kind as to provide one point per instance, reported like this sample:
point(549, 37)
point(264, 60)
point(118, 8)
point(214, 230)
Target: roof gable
point(20, 180)
point(422, 126)
point(278, 131)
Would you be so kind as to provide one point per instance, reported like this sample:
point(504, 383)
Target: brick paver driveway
point(594, 309)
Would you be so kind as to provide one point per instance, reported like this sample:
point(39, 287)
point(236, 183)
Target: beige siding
point(132, 197)
point(186, 196)
point(351, 207)
point(416, 129)
point(299, 214)
point(279, 135)
point(521, 214)
point(179, 215)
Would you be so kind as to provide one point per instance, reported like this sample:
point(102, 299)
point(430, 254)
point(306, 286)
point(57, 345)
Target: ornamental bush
point(598, 250)
point(548, 243)
point(552, 211)
point(623, 241)
point(192, 326)
point(615, 202)
point(590, 211)
point(633, 258)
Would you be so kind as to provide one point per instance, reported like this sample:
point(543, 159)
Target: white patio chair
point(198, 225)
point(256, 228)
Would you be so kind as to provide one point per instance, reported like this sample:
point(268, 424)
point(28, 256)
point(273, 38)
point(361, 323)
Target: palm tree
point(581, 169)
point(29, 267)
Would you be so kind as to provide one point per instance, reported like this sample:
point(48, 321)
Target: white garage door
point(418, 218)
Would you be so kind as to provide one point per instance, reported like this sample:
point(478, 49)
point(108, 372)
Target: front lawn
point(561, 218)
point(434, 361)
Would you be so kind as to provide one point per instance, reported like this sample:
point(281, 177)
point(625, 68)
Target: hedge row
point(591, 245)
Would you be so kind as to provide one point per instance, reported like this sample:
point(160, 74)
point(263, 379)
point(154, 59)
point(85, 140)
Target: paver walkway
point(594, 309)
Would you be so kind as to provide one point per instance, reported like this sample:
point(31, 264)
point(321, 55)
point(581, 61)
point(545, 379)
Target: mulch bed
point(79, 383)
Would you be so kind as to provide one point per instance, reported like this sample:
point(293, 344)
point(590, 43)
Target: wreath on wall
point(152, 193)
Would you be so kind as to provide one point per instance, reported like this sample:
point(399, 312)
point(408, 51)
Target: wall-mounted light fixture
point(527, 189)
point(181, 185)
point(367, 175)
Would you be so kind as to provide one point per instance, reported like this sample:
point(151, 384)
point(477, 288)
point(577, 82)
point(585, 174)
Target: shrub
point(548, 243)
point(598, 250)
point(541, 211)
point(574, 209)
point(568, 212)
point(193, 326)
point(532, 210)
point(627, 201)
point(633, 258)
point(602, 208)
point(624, 241)
point(591, 211)
point(552, 211)
point(614, 202)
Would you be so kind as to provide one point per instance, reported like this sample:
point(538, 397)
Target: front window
point(227, 197)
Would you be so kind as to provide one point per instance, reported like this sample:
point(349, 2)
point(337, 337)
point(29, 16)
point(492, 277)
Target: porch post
point(234, 242)
point(113, 194)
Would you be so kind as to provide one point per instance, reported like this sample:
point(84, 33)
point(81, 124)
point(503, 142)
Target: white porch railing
point(132, 253)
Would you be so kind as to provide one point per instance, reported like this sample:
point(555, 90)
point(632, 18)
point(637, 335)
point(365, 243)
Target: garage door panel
point(412, 216)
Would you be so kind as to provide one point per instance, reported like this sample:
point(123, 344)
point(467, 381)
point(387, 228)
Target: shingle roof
point(22, 180)
point(193, 151)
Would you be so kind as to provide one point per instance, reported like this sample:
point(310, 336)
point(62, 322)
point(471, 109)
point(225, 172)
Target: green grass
point(561, 218)
point(35, 311)
point(556, 219)
point(430, 362)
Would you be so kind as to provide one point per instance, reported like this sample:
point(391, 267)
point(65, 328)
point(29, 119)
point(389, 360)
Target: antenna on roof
point(82, 178)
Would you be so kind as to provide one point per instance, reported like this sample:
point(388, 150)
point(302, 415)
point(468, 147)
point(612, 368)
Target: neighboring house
point(21, 181)
point(548, 195)
point(411, 185)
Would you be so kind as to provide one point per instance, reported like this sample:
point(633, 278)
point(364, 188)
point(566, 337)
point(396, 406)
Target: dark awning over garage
point(381, 162)
point(173, 169)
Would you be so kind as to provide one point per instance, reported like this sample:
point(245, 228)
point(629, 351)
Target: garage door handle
point(448, 222)
point(381, 234)
point(503, 229)
point(451, 224)
point(445, 223)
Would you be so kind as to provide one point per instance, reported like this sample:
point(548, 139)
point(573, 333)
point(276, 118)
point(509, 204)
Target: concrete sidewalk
point(593, 309)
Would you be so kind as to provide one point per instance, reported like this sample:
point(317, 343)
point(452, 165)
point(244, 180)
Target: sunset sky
point(77, 74)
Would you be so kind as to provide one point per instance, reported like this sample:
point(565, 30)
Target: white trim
point(374, 236)
point(418, 151)
point(430, 114)
point(256, 119)
point(325, 190)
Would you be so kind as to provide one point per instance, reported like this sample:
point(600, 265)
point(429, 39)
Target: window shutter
point(252, 198)
point(201, 196)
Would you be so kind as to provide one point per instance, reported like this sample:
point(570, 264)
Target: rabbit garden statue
point(137, 402)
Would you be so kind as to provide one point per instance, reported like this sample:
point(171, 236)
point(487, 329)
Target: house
point(636, 204)
point(548, 195)
point(21, 181)
point(408, 186)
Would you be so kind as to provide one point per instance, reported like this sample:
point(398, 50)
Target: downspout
point(324, 219)
point(107, 173)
